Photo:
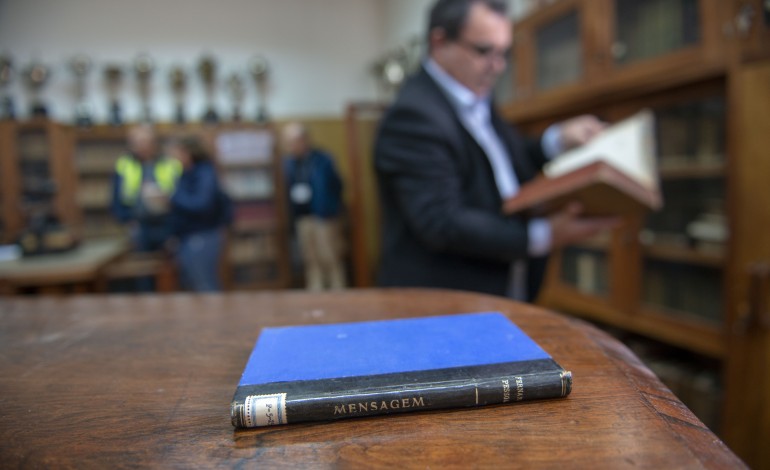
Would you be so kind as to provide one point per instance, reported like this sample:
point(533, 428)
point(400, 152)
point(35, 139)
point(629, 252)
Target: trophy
point(207, 69)
point(113, 78)
point(7, 109)
point(144, 66)
point(35, 77)
point(80, 66)
point(237, 93)
point(178, 80)
point(260, 72)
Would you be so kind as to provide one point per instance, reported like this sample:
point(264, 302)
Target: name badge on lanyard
point(301, 193)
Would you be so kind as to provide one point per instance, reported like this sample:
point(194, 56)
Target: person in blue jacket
point(199, 212)
point(315, 195)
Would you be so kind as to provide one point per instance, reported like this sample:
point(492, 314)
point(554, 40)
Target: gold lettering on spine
point(519, 388)
point(506, 391)
point(363, 407)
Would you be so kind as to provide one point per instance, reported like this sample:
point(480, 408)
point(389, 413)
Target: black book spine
point(281, 408)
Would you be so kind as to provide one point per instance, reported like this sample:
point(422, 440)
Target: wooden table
point(80, 267)
point(126, 381)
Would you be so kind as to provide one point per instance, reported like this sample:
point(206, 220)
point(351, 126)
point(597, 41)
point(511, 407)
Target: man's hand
point(579, 130)
point(567, 226)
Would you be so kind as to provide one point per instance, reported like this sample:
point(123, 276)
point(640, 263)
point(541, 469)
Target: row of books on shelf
point(102, 226)
point(254, 215)
point(586, 270)
point(249, 184)
point(34, 147)
point(245, 274)
point(690, 140)
point(671, 286)
point(97, 158)
point(252, 248)
point(679, 287)
point(94, 194)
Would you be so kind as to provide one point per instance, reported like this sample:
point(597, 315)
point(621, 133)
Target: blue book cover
point(343, 370)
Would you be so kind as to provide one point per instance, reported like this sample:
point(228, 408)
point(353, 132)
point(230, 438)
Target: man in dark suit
point(446, 161)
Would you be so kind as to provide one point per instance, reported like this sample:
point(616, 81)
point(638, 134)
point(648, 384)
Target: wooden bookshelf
point(257, 251)
point(36, 154)
point(706, 81)
point(96, 150)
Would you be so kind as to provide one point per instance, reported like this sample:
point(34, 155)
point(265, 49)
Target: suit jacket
point(442, 224)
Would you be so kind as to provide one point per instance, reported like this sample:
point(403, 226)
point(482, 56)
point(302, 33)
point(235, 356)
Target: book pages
point(629, 146)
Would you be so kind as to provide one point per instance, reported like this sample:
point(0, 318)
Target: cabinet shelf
point(97, 172)
point(692, 170)
point(240, 166)
point(677, 329)
point(680, 254)
point(252, 226)
point(245, 199)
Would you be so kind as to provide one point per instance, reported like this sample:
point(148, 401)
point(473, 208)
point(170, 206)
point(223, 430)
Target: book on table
point(613, 174)
point(346, 370)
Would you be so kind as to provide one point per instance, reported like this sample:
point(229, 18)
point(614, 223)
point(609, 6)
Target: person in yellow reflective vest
point(142, 187)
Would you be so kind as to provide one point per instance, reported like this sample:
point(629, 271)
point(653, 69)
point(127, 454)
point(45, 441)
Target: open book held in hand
point(613, 174)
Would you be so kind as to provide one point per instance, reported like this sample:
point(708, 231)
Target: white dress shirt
point(475, 114)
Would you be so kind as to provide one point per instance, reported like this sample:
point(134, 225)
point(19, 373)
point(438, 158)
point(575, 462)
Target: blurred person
point(142, 184)
point(446, 161)
point(199, 212)
point(315, 195)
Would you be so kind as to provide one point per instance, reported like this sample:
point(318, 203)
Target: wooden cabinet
point(694, 277)
point(38, 177)
point(96, 150)
point(78, 164)
point(257, 254)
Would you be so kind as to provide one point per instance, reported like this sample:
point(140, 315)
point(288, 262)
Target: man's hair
point(451, 15)
point(194, 147)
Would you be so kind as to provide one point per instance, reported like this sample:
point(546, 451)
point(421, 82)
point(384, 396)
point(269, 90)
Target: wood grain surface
point(127, 381)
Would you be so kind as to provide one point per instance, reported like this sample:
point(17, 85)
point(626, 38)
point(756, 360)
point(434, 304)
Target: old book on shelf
point(346, 370)
point(614, 174)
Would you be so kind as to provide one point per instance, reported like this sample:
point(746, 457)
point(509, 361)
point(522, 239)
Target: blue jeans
point(148, 237)
point(198, 260)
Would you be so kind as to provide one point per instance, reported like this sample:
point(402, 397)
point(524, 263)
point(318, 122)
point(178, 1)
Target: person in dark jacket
point(199, 212)
point(446, 161)
point(315, 195)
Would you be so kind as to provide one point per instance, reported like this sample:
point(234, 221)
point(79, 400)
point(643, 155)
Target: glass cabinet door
point(37, 182)
point(651, 28)
point(685, 242)
point(559, 52)
point(586, 269)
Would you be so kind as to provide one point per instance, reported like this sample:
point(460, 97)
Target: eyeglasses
point(486, 51)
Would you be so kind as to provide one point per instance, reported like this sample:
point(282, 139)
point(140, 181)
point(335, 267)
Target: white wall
point(404, 20)
point(319, 50)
